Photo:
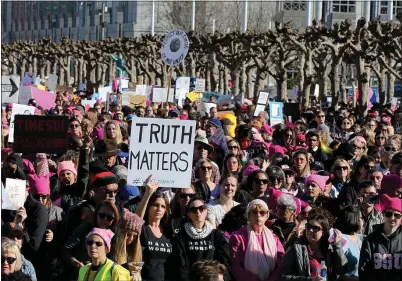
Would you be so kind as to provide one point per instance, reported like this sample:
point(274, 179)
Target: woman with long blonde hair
point(127, 249)
point(112, 132)
point(341, 171)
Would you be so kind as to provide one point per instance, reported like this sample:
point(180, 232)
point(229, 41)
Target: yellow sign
point(137, 100)
point(193, 96)
point(40, 87)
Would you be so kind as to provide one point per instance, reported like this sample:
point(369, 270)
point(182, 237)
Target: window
point(344, 6)
point(397, 8)
point(294, 5)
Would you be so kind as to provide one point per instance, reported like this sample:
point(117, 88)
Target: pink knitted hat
point(249, 169)
point(66, 165)
point(131, 221)
point(105, 234)
point(276, 149)
point(98, 133)
point(319, 180)
point(390, 183)
point(39, 185)
point(391, 203)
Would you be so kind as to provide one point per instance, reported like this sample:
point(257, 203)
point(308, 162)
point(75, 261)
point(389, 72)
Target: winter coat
point(16, 276)
point(28, 268)
point(238, 245)
point(374, 218)
point(296, 265)
point(381, 256)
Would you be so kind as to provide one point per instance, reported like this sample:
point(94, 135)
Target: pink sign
point(43, 98)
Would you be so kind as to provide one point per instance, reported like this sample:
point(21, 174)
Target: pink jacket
point(238, 243)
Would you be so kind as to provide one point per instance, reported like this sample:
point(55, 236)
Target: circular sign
point(175, 47)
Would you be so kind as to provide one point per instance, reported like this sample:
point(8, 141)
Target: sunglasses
point(389, 214)
point(97, 243)
point(40, 196)
point(273, 179)
point(344, 168)
point(390, 148)
point(201, 148)
point(368, 167)
point(261, 181)
point(194, 210)
point(185, 195)
point(261, 213)
point(380, 138)
point(233, 147)
point(205, 168)
point(103, 216)
point(72, 126)
point(313, 228)
point(9, 260)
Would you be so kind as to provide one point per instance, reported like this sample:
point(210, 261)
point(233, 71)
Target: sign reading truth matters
point(40, 134)
point(161, 148)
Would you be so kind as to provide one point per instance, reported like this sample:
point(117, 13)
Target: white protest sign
point(175, 47)
point(160, 95)
point(316, 90)
point(9, 88)
point(123, 83)
point(141, 90)
point(162, 148)
point(15, 191)
point(199, 85)
point(182, 87)
point(125, 98)
point(19, 109)
point(52, 82)
point(25, 95)
point(90, 103)
point(263, 97)
point(5, 202)
point(205, 107)
point(103, 93)
point(259, 108)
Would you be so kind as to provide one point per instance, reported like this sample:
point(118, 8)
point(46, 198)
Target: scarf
point(197, 234)
point(260, 262)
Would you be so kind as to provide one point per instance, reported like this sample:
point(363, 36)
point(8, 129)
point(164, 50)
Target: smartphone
point(372, 199)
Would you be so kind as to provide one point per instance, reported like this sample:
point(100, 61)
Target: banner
point(15, 194)
point(21, 110)
point(224, 100)
point(40, 134)
point(162, 148)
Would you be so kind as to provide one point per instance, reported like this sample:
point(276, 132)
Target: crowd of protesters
point(271, 203)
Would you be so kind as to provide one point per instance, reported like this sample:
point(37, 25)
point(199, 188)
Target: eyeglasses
point(389, 214)
point(368, 167)
point(274, 179)
point(103, 216)
point(205, 168)
point(40, 196)
point(380, 138)
point(261, 181)
point(339, 168)
point(185, 195)
point(390, 148)
point(194, 210)
point(233, 147)
point(261, 213)
point(363, 195)
point(313, 228)
point(9, 260)
point(97, 243)
point(201, 148)
point(288, 174)
point(72, 126)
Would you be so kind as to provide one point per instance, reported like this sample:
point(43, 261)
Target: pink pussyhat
point(105, 234)
point(390, 203)
point(319, 180)
point(66, 165)
point(390, 183)
point(39, 185)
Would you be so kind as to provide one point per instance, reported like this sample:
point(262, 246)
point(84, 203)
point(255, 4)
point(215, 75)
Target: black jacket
point(318, 155)
point(186, 251)
point(35, 224)
point(16, 276)
point(381, 256)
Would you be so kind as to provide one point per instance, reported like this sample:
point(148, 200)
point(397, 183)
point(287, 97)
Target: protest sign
point(224, 100)
point(41, 87)
point(87, 104)
point(52, 82)
point(29, 78)
point(82, 87)
point(200, 85)
point(161, 94)
point(259, 108)
point(137, 100)
point(206, 96)
point(125, 98)
point(5, 202)
point(293, 110)
point(21, 110)
point(175, 47)
point(10, 88)
point(219, 139)
point(162, 148)
point(263, 97)
point(103, 93)
point(193, 96)
point(40, 134)
point(205, 107)
point(44, 99)
point(15, 192)
point(182, 89)
point(141, 90)
point(275, 113)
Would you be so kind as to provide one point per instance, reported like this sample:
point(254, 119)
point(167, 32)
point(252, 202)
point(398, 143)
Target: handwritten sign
point(18, 109)
point(275, 113)
point(15, 191)
point(41, 134)
point(200, 85)
point(193, 96)
point(162, 148)
point(141, 90)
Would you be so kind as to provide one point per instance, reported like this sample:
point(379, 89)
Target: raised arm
point(151, 187)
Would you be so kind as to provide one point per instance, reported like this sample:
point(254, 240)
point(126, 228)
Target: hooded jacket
point(381, 256)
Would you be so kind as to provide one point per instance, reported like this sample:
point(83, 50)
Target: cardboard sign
point(162, 148)
point(275, 113)
point(137, 101)
point(40, 134)
point(293, 110)
point(160, 95)
point(52, 82)
point(200, 85)
point(263, 97)
point(193, 96)
point(15, 193)
point(259, 108)
point(18, 109)
point(10, 88)
point(141, 90)
point(175, 47)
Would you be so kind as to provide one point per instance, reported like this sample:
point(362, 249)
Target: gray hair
point(288, 201)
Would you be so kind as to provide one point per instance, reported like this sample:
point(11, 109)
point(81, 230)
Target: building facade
point(82, 20)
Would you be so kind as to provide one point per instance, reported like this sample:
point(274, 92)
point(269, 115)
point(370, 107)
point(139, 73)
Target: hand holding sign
point(151, 186)
point(21, 215)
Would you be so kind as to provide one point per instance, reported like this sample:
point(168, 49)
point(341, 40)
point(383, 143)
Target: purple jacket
point(238, 243)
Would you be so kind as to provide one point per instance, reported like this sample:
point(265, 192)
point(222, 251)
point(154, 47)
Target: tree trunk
point(68, 70)
point(62, 76)
point(334, 76)
point(111, 69)
point(250, 84)
point(242, 80)
point(391, 86)
point(363, 78)
point(381, 84)
point(221, 80)
point(226, 81)
point(342, 85)
point(302, 62)
point(215, 72)
point(235, 75)
point(35, 66)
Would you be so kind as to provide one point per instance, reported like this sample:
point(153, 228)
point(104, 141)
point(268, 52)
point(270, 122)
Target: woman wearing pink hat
point(98, 243)
point(380, 255)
